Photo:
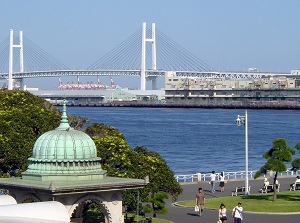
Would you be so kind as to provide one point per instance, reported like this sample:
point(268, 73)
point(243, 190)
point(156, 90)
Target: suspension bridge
point(130, 58)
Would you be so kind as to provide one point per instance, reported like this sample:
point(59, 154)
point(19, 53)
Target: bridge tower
point(11, 58)
point(143, 61)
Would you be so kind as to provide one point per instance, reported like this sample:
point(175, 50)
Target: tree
point(118, 159)
point(277, 156)
point(296, 162)
point(161, 177)
point(23, 118)
point(158, 204)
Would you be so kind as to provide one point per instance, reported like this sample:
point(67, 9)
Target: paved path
point(187, 215)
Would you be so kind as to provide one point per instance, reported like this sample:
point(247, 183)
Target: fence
point(197, 177)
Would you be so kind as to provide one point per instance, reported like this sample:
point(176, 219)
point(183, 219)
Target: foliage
point(23, 118)
point(119, 160)
point(161, 177)
point(158, 204)
point(102, 130)
point(91, 213)
point(130, 218)
point(277, 156)
point(296, 162)
point(77, 122)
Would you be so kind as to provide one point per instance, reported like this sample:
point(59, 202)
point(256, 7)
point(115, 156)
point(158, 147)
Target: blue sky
point(227, 35)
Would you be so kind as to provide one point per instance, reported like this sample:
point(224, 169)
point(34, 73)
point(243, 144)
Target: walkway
point(187, 215)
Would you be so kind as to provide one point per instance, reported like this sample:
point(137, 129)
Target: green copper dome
point(64, 151)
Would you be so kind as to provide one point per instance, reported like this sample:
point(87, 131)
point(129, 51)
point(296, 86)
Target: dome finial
point(64, 124)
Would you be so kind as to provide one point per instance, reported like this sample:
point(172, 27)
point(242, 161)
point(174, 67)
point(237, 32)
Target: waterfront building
point(98, 97)
point(270, 91)
point(64, 167)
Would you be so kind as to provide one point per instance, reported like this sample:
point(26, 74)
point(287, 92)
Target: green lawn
point(154, 220)
point(287, 201)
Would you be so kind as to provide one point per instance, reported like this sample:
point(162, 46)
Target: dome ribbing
point(64, 151)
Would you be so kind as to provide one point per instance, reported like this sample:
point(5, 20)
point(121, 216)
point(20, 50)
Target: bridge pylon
point(11, 58)
point(143, 61)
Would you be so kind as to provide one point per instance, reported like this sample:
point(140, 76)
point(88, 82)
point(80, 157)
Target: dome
point(64, 151)
point(67, 144)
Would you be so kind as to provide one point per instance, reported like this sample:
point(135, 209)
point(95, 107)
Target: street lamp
point(244, 119)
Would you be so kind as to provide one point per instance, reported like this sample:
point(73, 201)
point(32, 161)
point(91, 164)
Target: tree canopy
point(120, 160)
point(277, 156)
point(24, 117)
point(296, 162)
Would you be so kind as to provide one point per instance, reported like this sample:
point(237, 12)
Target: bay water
point(199, 140)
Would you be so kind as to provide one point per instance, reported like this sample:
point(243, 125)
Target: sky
point(231, 35)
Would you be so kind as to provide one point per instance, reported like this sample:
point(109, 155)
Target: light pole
point(244, 119)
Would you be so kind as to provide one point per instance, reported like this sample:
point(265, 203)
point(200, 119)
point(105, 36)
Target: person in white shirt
point(222, 214)
point(266, 182)
point(213, 180)
point(293, 185)
point(222, 182)
point(237, 213)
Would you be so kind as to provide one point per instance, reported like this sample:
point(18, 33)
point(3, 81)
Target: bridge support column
point(19, 84)
point(143, 61)
point(153, 82)
point(11, 57)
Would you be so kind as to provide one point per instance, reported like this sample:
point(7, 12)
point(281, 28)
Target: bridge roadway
point(149, 73)
point(187, 215)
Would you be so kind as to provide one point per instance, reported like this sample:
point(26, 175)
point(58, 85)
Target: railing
point(197, 177)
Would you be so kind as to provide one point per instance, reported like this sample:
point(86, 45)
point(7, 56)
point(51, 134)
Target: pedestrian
point(293, 185)
point(200, 200)
point(237, 213)
point(222, 214)
point(266, 182)
point(222, 182)
point(212, 181)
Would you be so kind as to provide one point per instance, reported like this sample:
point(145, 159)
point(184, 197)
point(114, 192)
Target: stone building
point(64, 167)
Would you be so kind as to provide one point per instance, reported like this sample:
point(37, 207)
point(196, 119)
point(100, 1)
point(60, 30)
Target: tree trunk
point(275, 187)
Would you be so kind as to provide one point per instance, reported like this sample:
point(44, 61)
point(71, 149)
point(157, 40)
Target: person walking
point(222, 214)
point(200, 200)
point(237, 213)
point(212, 181)
point(222, 182)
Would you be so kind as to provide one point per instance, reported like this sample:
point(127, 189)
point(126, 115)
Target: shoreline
point(160, 105)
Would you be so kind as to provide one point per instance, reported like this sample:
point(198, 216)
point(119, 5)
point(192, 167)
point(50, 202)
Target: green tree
point(118, 159)
point(161, 177)
point(277, 156)
point(23, 118)
point(296, 162)
point(158, 203)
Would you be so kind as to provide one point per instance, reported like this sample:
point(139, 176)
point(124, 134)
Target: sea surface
point(199, 140)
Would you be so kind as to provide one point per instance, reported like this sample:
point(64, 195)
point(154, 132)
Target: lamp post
point(244, 119)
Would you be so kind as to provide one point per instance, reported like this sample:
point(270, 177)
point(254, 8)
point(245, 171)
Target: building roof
point(64, 161)
point(64, 151)
point(57, 187)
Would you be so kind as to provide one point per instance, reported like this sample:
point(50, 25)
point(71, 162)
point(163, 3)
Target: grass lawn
point(154, 220)
point(287, 201)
